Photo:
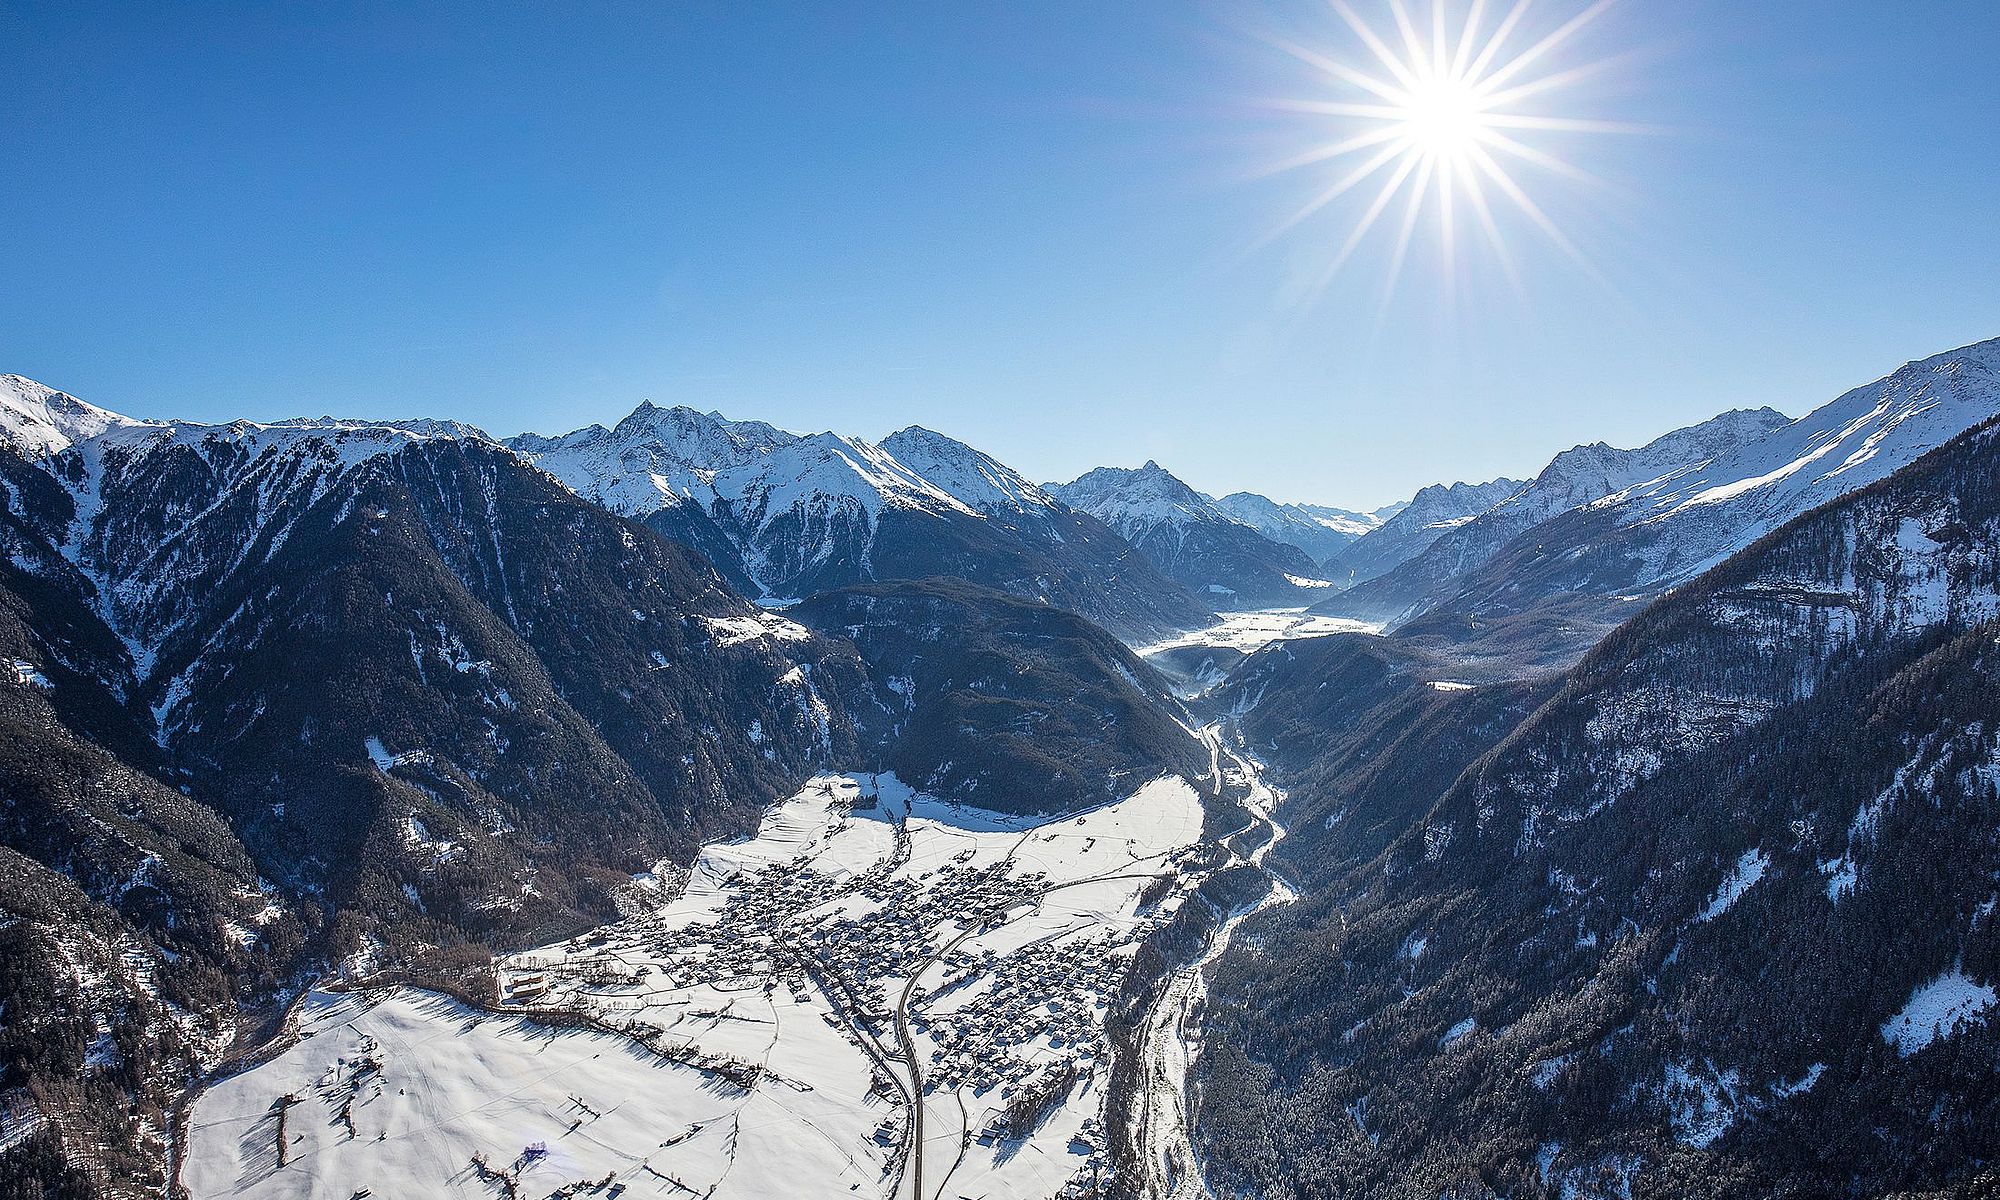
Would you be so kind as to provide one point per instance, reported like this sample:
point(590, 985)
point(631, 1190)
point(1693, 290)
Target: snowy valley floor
point(750, 1033)
point(1250, 631)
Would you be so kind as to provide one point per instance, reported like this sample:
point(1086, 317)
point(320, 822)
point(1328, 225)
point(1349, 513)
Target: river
point(1172, 1031)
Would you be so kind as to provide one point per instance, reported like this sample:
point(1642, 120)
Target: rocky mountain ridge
point(786, 516)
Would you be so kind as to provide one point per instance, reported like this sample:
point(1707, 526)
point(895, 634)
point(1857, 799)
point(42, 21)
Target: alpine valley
point(697, 807)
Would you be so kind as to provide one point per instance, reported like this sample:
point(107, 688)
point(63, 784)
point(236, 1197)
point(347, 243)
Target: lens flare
point(1438, 121)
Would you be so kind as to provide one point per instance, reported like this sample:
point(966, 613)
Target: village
point(999, 1008)
point(887, 987)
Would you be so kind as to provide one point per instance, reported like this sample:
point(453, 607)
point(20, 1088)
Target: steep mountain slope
point(1186, 536)
point(1716, 920)
point(1572, 479)
point(1355, 724)
point(1584, 570)
point(659, 464)
point(135, 924)
point(1006, 704)
point(1429, 514)
point(1316, 529)
point(977, 480)
point(788, 516)
point(653, 456)
point(39, 421)
point(524, 673)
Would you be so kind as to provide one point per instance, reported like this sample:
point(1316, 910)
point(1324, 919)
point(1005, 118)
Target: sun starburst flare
point(1441, 118)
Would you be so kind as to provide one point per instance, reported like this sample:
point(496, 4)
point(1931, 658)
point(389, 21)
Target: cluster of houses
point(1045, 1006)
point(779, 927)
point(896, 935)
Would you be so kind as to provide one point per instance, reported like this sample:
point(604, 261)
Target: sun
point(1440, 115)
point(1442, 118)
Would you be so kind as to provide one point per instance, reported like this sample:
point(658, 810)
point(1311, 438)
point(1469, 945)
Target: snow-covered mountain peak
point(975, 479)
point(1978, 362)
point(1406, 530)
point(1186, 535)
point(692, 429)
point(1246, 505)
point(1130, 499)
point(1599, 472)
point(40, 421)
point(653, 457)
point(327, 442)
point(1346, 520)
point(1255, 509)
point(43, 422)
point(788, 515)
point(1450, 504)
point(340, 430)
point(824, 468)
point(1319, 530)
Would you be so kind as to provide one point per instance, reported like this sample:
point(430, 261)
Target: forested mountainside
point(330, 631)
point(788, 516)
point(135, 924)
point(1226, 562)
point(1366, 726)
point(1717, 918)
point(1551, 592)
point(1009, 705)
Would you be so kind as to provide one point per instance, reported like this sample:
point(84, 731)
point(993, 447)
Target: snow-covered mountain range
point(787, 515)
point(1191, 538)
point(323, 695)
point(1576, 477)
point(1319, 530)
point(387, 696)
point(1745, 474)
point(1412, 527)
point(1710, 913)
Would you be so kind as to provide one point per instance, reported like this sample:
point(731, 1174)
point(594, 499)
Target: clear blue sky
point(1029, 224)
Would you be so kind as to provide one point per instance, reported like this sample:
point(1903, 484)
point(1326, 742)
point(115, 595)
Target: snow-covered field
point(761, 1015)
point(1938, 1009)
point(1249, 632)
point(427, 1083)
